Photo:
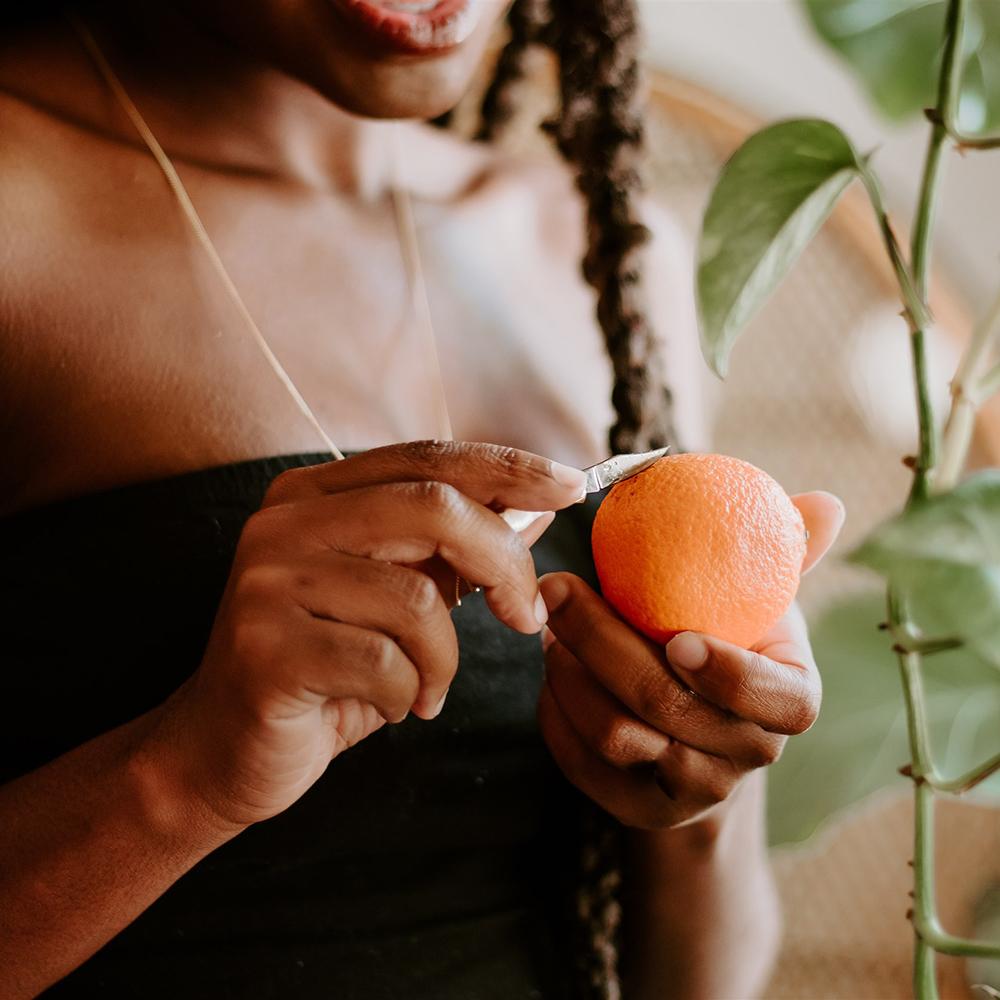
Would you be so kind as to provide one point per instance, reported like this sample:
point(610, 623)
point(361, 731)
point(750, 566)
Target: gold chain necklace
point(405, 227)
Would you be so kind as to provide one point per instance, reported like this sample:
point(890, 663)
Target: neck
point(210, 103)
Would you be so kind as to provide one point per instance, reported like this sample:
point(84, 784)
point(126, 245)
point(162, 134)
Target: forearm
point(86, 844)
point(701, 918)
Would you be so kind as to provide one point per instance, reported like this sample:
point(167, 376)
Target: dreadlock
point(599, 132)
point(526, 21)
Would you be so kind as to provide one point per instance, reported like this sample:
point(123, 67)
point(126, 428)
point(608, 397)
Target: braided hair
point(599, 132)
point(598, 129)
point(527, 22)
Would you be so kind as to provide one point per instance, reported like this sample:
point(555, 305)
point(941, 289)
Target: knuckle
point(612, 742)
point(441, 498)
point(262, 526)
point(420, 595)
point(430, 455)
point(511, 463)
point(664, 704)
point(379, 652)
point(285, 486)
point(259, 583)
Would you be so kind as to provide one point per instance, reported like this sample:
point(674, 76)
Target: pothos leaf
point(860, 739)
point(769, 201)
point(944, 554)
point(894, 48)
point(962, 526)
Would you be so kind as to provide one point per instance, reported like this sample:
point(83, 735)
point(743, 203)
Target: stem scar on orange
point(702, 543)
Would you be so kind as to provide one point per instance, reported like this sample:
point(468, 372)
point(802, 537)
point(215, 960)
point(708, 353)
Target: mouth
point(415, 27)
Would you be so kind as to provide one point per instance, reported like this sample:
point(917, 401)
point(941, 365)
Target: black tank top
point(449, 875)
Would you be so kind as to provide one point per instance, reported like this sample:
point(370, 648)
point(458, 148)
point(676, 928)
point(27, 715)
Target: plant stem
point(960, 138)
point(957, 439)
point(947, 102)
point(929, 936)
point(924, 917)
point(966, 394)
point(948, 944)
point(928, 647)
point(924, 959)
point(989, 383)
point(969, 780)
point(963, 141)
point(916, 712)
point(949, 82)
point(916, 313)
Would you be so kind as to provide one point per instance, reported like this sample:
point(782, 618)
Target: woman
point(201, 792)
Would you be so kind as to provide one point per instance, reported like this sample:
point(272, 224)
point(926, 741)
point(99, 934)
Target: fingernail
point(833, 496)
point(541, 612)
point(687, 651)
point(548, 637)
point(436, 711)
point(566, 475)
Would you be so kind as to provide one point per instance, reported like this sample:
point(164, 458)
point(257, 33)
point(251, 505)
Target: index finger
point(492, 475)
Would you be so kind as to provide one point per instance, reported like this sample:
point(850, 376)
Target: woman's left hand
point(659, 737)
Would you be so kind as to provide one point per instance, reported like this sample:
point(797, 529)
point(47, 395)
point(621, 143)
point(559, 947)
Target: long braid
point(599, 132)
point(526, 21)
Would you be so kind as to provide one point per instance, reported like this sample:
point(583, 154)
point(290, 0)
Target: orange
point(705, 543)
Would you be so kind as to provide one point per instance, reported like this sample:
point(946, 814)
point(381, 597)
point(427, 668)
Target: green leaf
point(859, 741)
point(769, 201)
point(944, 555)
point(894, 48)
point(962, 526)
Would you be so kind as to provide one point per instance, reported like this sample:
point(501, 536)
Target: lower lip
point(420, 28)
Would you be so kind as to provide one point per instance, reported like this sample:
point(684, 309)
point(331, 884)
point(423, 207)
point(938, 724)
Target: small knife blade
point(599, 477)
point(620, 467)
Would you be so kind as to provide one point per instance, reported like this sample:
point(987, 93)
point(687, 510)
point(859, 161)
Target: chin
point(400, 87)
point(384, 58)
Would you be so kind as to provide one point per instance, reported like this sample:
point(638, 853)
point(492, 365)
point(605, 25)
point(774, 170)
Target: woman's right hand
point(335, 619)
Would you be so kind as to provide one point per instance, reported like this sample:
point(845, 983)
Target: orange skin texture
point(701, 543)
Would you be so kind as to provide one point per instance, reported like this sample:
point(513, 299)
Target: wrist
point(703, 910)
point(161, 776)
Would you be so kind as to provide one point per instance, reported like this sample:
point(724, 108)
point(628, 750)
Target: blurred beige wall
point(763, 55)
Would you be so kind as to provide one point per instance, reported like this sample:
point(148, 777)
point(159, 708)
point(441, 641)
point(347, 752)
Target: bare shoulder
point(49, 163)
point(40, 168)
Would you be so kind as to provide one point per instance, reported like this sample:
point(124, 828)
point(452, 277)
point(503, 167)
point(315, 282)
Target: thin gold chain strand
point(194, 220)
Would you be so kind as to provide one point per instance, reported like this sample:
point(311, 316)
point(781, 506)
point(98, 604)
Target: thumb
point(823, 514)
point(779, 697)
